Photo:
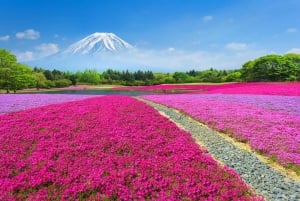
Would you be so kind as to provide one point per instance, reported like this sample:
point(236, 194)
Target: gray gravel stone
point(262, 178)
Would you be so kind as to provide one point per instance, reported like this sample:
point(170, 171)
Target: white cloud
point(171, 49)
point(4, 38)
point(207, 18)
point(47, 49)
point(25, 56)
point(30, 34)
point(236, 46)
point(40, 51)
point(294, 50)
point(292, 30)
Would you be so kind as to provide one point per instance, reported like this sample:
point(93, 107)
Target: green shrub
point(62, 83)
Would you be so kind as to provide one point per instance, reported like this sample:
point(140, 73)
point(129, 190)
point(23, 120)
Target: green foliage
point(234, 76)
point(181, 77)
point(57, 75)
point(210, 75)
point(90, 76)
point(14, 76)
point(55, 78)
point(21, 76)
point(4, 78)
point(272, 68)
point(73, 79)
point(7, 60)
point(247, 71)
point(295, 58)
point(161, 77)
point(127, 78)
point(62, 83)
point(213, 75)
point(40, 80)
point(48, 74)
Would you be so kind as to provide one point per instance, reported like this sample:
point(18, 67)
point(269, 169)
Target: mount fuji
point(98, 43)
point(100, 51)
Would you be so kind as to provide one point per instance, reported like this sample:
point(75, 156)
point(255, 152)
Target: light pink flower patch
point(268, 128)
point(16, 102)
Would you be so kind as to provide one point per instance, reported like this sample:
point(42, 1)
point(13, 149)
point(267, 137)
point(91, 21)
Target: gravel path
point(264, 179)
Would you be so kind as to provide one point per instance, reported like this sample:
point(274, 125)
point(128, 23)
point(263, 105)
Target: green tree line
point(15, 76)
point(273, 68)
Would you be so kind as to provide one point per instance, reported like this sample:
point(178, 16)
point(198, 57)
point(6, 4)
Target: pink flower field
point(270, 124)
point(286, 89)
point(110, 148)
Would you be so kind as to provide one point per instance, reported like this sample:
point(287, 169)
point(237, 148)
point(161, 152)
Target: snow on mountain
point(97, 43)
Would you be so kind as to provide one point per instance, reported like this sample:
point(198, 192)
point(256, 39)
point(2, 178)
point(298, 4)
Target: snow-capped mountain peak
point(97, 43)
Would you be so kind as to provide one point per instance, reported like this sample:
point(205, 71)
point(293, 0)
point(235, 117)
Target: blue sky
point(175, 34)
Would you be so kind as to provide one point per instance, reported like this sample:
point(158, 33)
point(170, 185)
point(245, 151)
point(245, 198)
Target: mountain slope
point(97, 43)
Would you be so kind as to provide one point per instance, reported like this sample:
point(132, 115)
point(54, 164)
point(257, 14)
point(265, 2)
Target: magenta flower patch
point(107, 148)
point(286, 89)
